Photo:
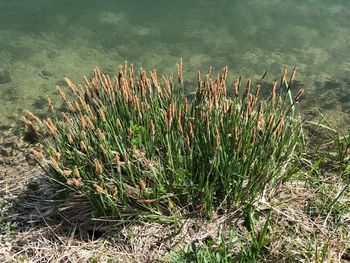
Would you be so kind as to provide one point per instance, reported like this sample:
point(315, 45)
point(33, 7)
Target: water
point(41, 41)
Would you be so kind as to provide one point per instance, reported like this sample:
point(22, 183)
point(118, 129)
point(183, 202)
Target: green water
point(43, 40)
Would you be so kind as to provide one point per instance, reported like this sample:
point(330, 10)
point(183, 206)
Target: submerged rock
point(46, 74)
point(5, 77)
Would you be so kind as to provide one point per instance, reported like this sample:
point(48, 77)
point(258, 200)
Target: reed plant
point(137, 147)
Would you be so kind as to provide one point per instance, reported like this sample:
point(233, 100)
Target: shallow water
point(43, 40)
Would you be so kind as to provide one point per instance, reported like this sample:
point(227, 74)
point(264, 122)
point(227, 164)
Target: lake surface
point(41, 41)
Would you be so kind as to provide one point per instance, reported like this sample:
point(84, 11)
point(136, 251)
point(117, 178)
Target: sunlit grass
point(137, 147)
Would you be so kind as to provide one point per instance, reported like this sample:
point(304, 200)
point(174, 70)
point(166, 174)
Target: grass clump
point(136, 148)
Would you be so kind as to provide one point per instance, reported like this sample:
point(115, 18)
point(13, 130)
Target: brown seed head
point(185, 105)
point(98, 188)
point(50, 104)
point(142, 184)
point(75, 182)
point(82, 103)
point(166, 119)
point(61, 93)
point(152, 129)
point(90, 123)
point(67, 172)
point(102, 115)
point(34, 117)
point(279, 128)
point(298, 96)
point(236, 86)
point(269, 121)
point(67, 119)
point(187, 141)
point(280, 102)
point(171, 111)
point(50, 128)
point(38, 154)
point(70, 138)
point(82, 122)
point(70, 85)
point(190, 129)
point(253, 137)
point(98, 166)
point(53, 163)
point(57, 155)
point(283, 77)
point(292, 77)
point(117, 159)
point(257, 92)
point(126, 158)
point(179, 70)
point(70, 107)
point(235, 133)
point(100, 134)
point(247, 89)
point(77, 107)
point(83, 145)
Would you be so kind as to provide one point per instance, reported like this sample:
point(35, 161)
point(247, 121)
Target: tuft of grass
point(139, 148)
point(228, 248)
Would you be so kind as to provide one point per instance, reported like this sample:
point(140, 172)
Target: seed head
point(82, 122)
point(190, 129)
point(69, 106)
point(70, 85)
point(67, 172)
point(34, 117)
point(179, 125)
point(179, 70)
point(98, 166)
point(292, 77)
point(100, 134)
point(185, 106)
point(102, 115)
point(247, 89)
point(67, 119)
point(298, 96)
point(152, 129)
point(142, 184)
point(60, 91)
point(283, 77)
point(50, 127)
point(50, 105)
point(166, 120)
point(38, 154)
point(83, 145)
point(70, 138)
point(117, 159)
point(57, 155)
point(75, 182)
point(98, 188)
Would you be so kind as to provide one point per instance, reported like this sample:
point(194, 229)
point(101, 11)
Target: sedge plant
point(138, 147)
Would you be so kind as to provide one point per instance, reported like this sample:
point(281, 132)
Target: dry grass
point(45, 234)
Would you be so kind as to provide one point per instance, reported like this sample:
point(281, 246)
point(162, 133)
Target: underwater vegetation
point(136, 147)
